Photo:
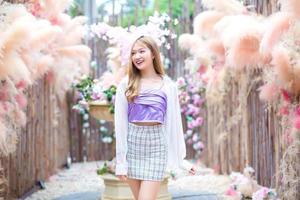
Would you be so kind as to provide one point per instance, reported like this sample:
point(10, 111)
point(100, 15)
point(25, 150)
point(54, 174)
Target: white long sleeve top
point(173, 127)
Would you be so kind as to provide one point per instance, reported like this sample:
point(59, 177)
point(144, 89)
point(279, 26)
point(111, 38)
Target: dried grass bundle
point(289, 171)
point(3, 142)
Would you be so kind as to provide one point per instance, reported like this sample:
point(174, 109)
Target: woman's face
point(141, 56)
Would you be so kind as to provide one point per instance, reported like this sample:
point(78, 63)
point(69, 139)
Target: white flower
point(85, 117)
point(103, 129)
point(173, 36)
point(176, 21)
point(168, 46)
point(86, 125)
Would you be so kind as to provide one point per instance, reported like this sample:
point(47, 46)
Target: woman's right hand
point(122, 177)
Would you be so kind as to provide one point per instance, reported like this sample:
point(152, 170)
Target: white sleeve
point(174, 131)
point(121, 129)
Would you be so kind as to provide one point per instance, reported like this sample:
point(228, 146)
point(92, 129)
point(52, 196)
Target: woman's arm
point(121, 128)
point(174, 130)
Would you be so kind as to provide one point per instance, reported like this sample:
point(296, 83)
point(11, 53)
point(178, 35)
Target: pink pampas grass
point(16, 36)
point(43, 64)
point(277, 24)
point(241, 36)
point(205, 21)
point(216, 47)
point(244, 52)
point(75, 51)
point(42, 38)
point(51, 8)
point(284, 70)
point(80, 53)
point(13, 66)
point(268, 92)
point(282, 65)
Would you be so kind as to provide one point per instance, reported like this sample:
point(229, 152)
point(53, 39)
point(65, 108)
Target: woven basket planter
point(119, 190)
point(100, 110)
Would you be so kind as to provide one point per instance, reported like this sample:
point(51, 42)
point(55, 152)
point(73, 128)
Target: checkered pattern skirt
point(147, 152)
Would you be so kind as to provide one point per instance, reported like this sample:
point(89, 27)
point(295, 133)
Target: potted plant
point(96, 98)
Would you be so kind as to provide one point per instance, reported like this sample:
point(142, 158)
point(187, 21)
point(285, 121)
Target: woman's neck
point(149, 73)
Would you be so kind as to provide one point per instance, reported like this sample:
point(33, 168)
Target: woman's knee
point(149, 190)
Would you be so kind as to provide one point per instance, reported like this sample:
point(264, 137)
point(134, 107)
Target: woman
point(149, 136)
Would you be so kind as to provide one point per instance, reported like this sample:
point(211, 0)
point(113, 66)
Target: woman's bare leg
point(149, 190)
point(134, 186)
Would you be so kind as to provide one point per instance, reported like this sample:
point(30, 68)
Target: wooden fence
point(43, 144)
point(249, 137)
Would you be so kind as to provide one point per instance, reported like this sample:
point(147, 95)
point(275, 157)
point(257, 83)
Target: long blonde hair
point(134, 76)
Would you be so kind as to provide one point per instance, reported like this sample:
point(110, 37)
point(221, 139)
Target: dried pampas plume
point(277, 25)
point(205, 21)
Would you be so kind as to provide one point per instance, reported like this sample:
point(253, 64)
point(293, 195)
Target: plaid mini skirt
point(147, 152)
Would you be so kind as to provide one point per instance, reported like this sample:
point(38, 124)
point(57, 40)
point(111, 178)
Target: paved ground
point(81, 182)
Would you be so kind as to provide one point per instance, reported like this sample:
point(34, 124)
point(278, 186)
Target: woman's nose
point(137, 55)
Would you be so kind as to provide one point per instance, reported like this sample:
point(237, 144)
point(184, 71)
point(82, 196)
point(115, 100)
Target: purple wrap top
point(148, 106)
